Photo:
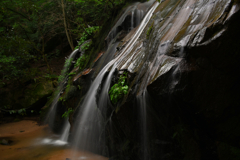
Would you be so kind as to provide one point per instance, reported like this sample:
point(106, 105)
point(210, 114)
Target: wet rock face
point(205, 82)
point(186, 61)
point(189, 65)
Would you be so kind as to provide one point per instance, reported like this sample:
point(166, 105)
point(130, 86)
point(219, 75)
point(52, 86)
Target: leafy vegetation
point(30, 30)
point(88, 33)
point(65, 69)
point(82, 61)
point(20, 111)
point(33, 32)
point(67, 113)
point(119, 89)
point(72, 73)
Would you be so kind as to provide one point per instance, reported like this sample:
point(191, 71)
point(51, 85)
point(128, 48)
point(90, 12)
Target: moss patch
point(27, 96)
point(149, 31)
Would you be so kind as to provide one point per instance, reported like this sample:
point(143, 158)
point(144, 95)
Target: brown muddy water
point(29, 141)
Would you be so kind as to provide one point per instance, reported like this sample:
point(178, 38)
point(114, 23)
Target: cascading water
point(90, 124)
point(89, 134)
point(65, 133)
point(129, 19)
point(53, 108)
point(89, 129)
point(132, 22)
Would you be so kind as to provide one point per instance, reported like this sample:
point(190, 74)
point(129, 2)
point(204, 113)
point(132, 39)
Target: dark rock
point(4, 142)
point(190, 71)
point(33, 96)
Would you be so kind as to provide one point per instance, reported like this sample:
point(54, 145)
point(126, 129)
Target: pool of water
point(29, 141)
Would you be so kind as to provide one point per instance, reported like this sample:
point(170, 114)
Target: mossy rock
point(34, 95)
point(70, 92)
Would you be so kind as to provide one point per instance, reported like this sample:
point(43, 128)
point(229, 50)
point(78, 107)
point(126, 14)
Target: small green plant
point(20, 111)
point(72, 73)
point(12, 111)
point(68, 86)
point(86, 46)
point(81, 61)
point(67, 113)
point(119, 89)
point(61, 99)
point(60, 78)
point(85, 35)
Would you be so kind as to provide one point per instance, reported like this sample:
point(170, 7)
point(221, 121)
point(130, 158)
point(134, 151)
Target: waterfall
point(89, 128)
point(142, 104)
point(53, 108)
point(138, 17)
point(132, 20)
point(65, 133)
point(166, 58)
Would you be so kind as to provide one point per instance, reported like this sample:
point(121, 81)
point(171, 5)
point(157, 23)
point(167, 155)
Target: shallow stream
point(29, 141)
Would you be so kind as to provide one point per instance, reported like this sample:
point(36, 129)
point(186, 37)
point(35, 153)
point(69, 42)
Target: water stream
point(53, 108)
point(89, 129)
point(65, 133)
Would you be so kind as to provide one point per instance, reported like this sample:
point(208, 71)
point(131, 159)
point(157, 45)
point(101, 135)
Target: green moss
point(82, 62)
point(36, 92)
point(149, 31)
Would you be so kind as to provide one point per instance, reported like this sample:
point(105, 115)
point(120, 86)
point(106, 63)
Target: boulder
point(33, 96)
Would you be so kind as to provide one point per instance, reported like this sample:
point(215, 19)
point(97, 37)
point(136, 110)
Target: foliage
point(119, 89)
point(68, 86)
point(18, 35)
point(72, 73)
point(28, 30)
point(86, 46)
point(60, 78)
point(61, 99)
point(67, 113)
point(50, 76)
point(20, 111)
point(88, 32)
point(65, 69)
point(81, 61)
